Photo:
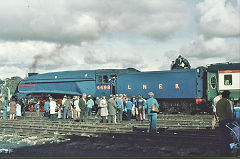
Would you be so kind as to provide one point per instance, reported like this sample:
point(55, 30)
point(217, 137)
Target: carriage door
point(113, 83)
point(212, 86)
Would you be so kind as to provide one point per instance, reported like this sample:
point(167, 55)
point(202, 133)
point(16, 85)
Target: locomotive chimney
point(32, 74)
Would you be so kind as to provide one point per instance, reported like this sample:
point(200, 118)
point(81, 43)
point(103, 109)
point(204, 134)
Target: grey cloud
point(71, 22)
point(122, 60)
point(202, 48)
point(219, 18)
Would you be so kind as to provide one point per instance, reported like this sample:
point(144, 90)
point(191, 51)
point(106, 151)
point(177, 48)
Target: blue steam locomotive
point(181, 90)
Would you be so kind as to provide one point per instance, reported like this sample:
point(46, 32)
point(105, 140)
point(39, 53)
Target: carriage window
point(105, 79)
point(227, 79)
point(213, 82)
point(99, 79)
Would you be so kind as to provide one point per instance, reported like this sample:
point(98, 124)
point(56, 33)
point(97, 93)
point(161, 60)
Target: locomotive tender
point(184, 90)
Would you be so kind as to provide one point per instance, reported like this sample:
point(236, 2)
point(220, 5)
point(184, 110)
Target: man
point(83, 108)
point(119, 108)
point(152, 117)
point(23, 106)
point(225, 116)
point(53, 107)
point(66, 107)
point(90, 104)
point(129, 106)
point(215, 100)
point(46, 108)
point(186, 63)
point(113, 81)
point(178, 62)
point(112, 106)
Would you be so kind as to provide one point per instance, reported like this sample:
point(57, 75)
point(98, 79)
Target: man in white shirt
point(214, 102)
point(53, 107)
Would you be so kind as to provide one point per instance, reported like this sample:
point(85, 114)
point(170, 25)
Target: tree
point(12, 84)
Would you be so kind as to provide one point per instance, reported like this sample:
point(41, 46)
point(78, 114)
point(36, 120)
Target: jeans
point(225, 138)
point(152, 120)
point(23, 111)
point(129, 114)
point(89, 111)
point(65, 113)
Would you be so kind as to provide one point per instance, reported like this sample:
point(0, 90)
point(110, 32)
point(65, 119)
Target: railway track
point(192, 133)
point(165, 123)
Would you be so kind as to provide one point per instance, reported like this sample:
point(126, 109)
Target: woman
point(13, 109)
point(76, 105)
point(152, 117)
point(18, 108)
point(103, 107)
point(37, 107)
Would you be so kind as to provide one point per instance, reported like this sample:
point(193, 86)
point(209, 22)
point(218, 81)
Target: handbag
point(154, 108)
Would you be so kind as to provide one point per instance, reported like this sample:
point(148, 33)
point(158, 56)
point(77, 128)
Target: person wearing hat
point(225, 116)
point(152, 117)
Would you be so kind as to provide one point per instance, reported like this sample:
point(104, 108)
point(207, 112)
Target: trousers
point(152, 120)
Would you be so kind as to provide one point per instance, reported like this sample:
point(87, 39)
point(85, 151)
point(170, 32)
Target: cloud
point(202, 48)
point(71, 22)
point(45, 57)
point(219, 18)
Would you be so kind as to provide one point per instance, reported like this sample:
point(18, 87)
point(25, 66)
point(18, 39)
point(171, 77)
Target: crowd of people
point(113, 110)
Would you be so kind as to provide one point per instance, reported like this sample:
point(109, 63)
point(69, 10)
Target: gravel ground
point(118, 146)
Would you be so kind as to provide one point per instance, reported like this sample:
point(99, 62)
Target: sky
point(60, 35)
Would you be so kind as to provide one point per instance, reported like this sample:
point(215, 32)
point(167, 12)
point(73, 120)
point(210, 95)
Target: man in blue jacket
point(46, 108)
point(119, 108)
point(152, 117)
point(129, 106)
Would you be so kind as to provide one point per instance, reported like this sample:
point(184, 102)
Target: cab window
point(105, 79)
point(99, 79)
point(213, 81)
point(227, 80)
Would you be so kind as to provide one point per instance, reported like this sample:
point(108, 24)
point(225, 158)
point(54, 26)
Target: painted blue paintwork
point(132, 84)
point(69, 82)
point(85, 81)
